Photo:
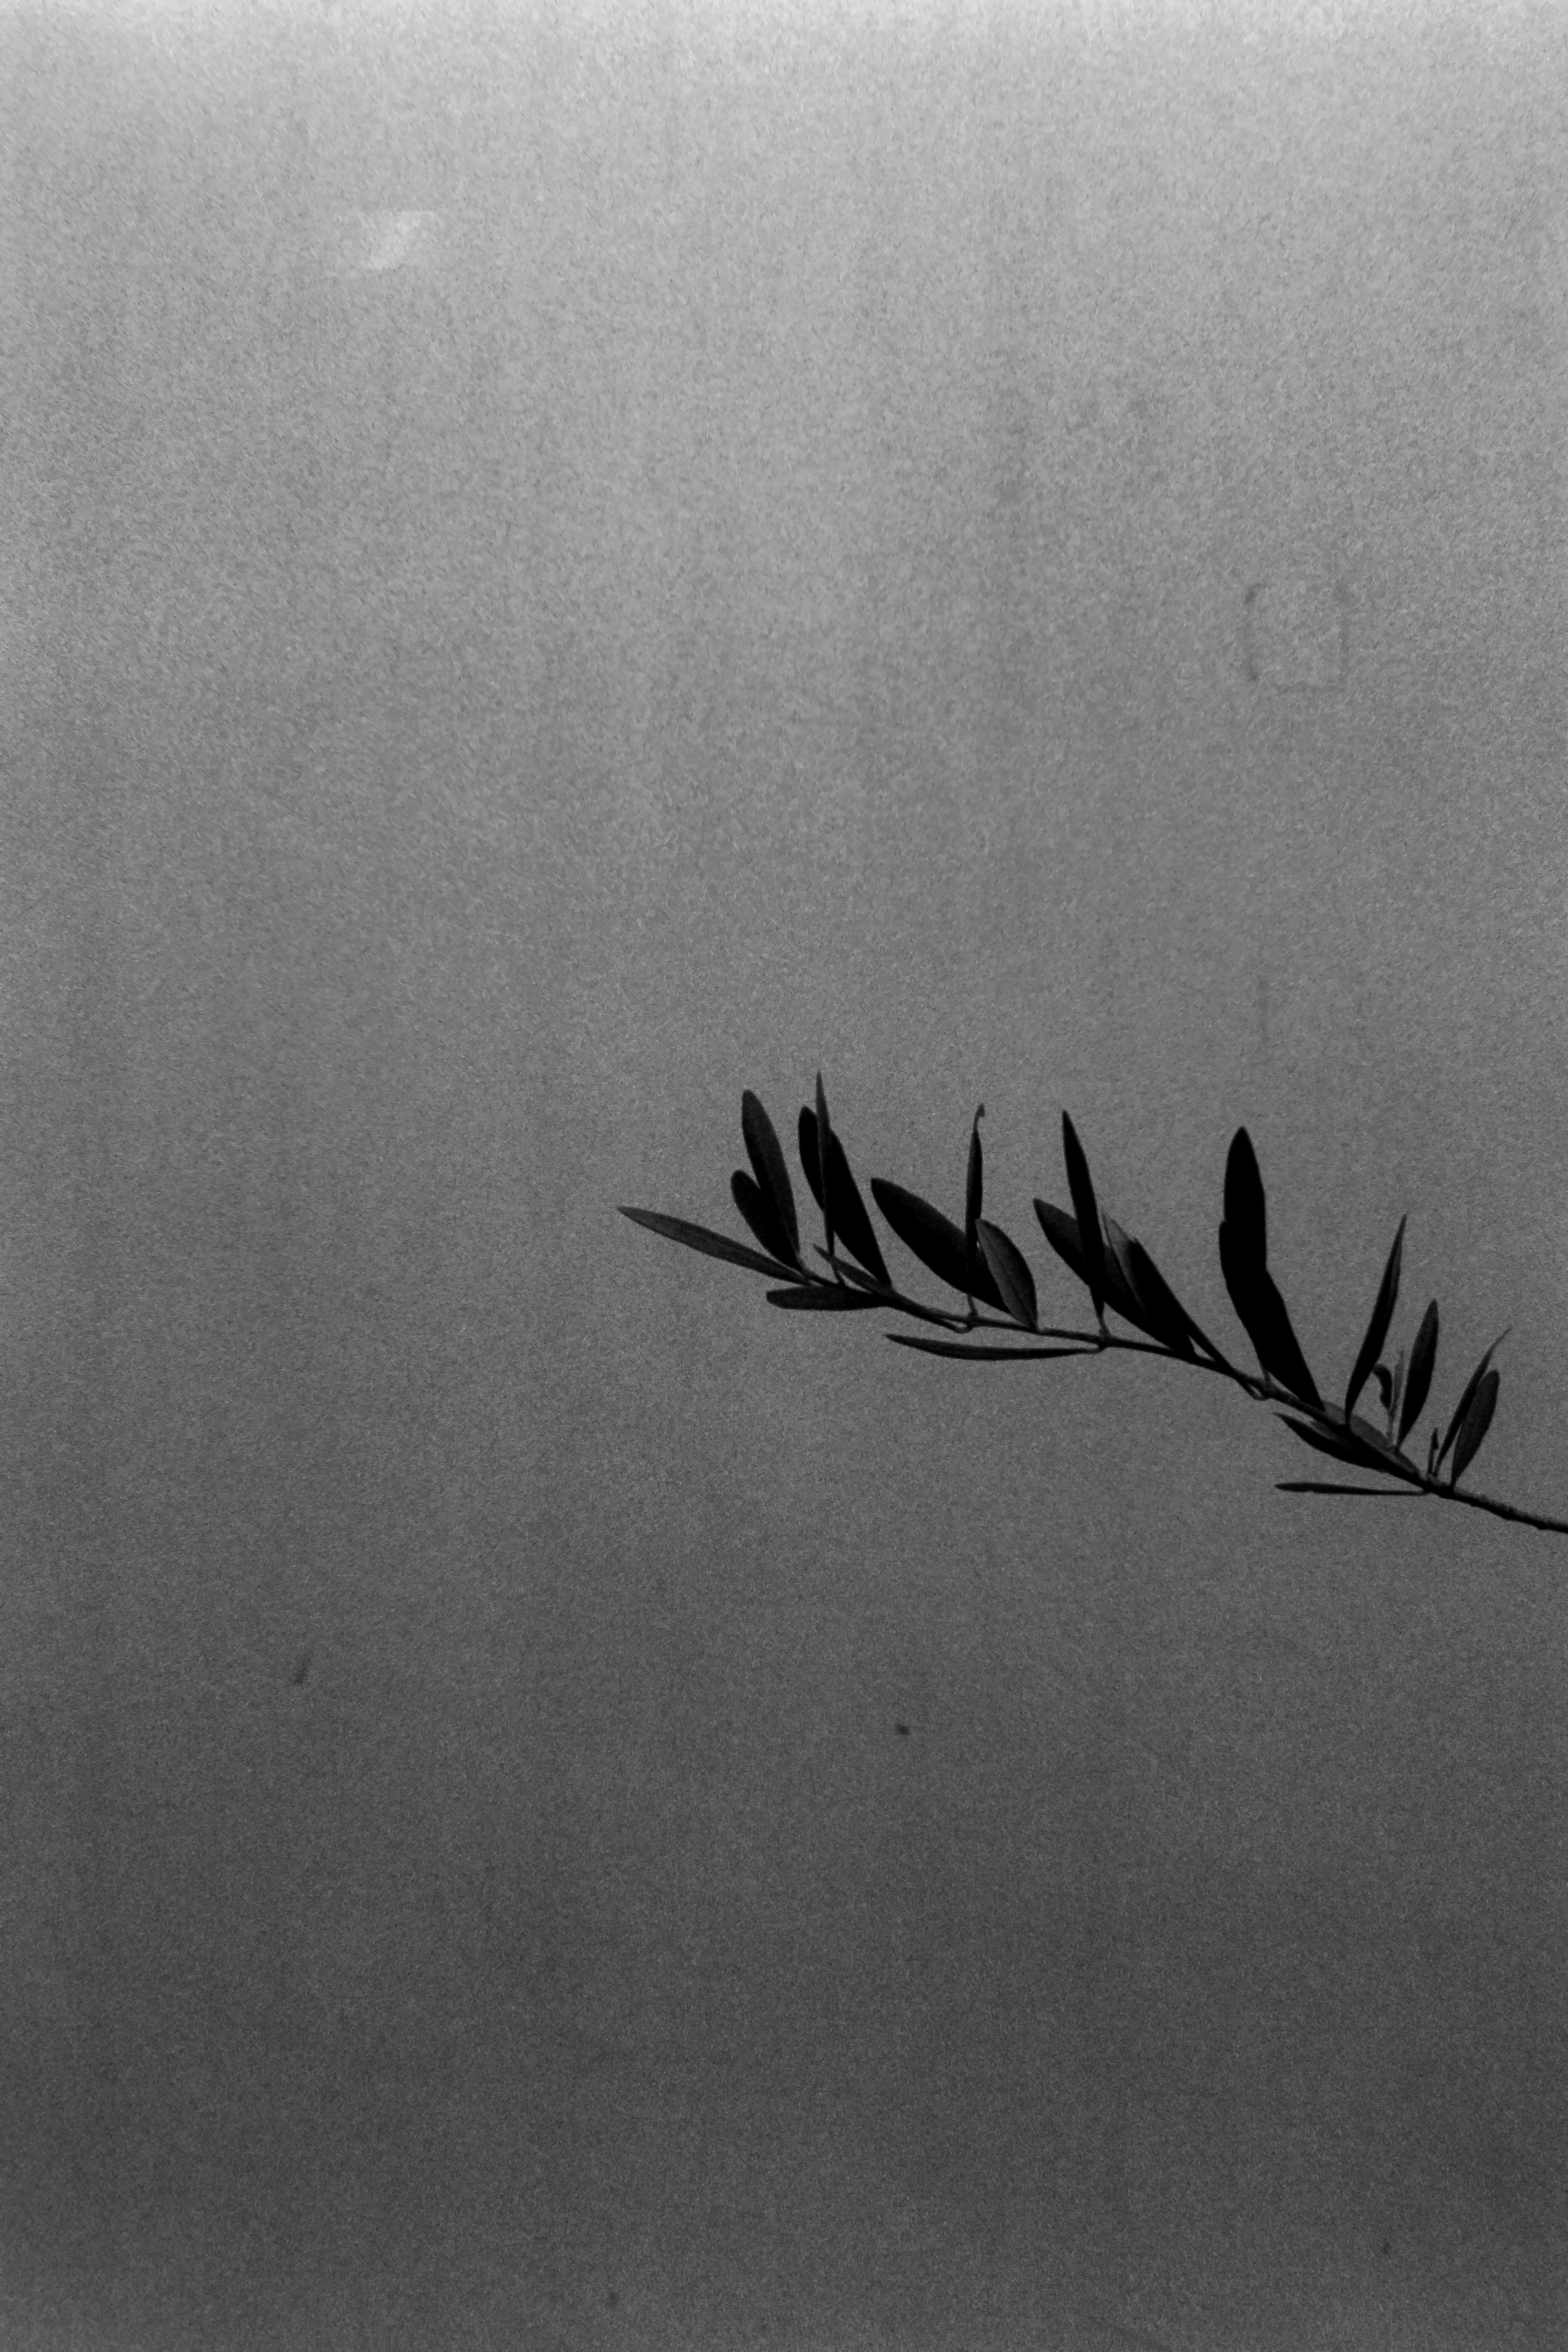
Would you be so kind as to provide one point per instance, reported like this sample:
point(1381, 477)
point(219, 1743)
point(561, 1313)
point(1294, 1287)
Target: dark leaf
point(1243, 1256)
point(1384, 1380)
point(824, 1129)
point(989, 1355)
point(768, 1161)
point(1366, 1432)
point(1266, 1321)
point(934, 1239)
point(1478, 1421)
point(699, 1237)
point(1462, 1408)
point(841, 1265)
point(1121, 1291)
point(810, 1157)
point(758, 1211)
point(1091, 1241)
point(1360, 1440)
point(1342, 1450)
point(1360, 1444)
point(1010, 1272)
point(1168, 1318)
point(848, 1214)
point(1397, 1392)
point(888, 1295)
point(1245, 1211)
point(973, 1195)
point(1119, 1271)
point(1381, 1317)
point(1128, 1265)
point(1062, 1233)
point(1316, 1486)
point(1418, 1379)
point(827, 1297)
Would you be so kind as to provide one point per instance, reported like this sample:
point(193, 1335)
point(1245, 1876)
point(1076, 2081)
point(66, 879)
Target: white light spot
point(386, 240)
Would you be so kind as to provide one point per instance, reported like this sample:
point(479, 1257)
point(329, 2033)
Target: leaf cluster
point(981, 1262)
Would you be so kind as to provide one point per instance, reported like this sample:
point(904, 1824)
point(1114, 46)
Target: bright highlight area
point(388, 240)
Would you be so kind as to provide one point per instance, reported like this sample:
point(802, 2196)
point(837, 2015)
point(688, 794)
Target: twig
point(982, 1264)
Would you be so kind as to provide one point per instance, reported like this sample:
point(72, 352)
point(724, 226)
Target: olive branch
point(981, 1262)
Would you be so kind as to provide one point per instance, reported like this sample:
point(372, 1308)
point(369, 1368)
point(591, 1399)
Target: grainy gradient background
point(558, 564)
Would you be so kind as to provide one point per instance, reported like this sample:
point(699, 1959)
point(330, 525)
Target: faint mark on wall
point(376, 241)
point(1294, 633)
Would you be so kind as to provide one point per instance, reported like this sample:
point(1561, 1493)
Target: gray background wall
point(1014, 557)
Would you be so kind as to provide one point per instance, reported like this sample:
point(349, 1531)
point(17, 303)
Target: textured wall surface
point(556, 566)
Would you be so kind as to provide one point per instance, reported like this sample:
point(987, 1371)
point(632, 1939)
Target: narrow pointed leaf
point(1167, 1317)
point(810, 1156)
point(1418, 1379)
point(824, 1129)
point(987, 1355)
point(701, 1237)
point(758, 1210)
point(1118, 1293)
point(1381, 1317)
point(1246, 1208)
point(1343, 1449)
point(847, 1212)
point(1243, 1257)
point(1062, 1233)
point(824, 1297)
point(1356, 1441)
point(1091, 1241)
point(1010, 1272)
point(973, 1196)
point(1317, 1486)
point(1462, 1408)
point(1367, 1433)
point(934, 1239)
point(1154, 1310)
point(1264, 1318)
point(1396, 1395)
point(854, 1273)
point(1120, 1290)
point(768, 1161)
point(1119, 1259)
point(1478, 1421)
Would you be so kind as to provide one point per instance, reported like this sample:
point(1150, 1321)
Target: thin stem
point(1500, 1510)
point(1266, 1391)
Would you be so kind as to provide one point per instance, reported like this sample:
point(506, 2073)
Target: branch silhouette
point(980, 1262)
